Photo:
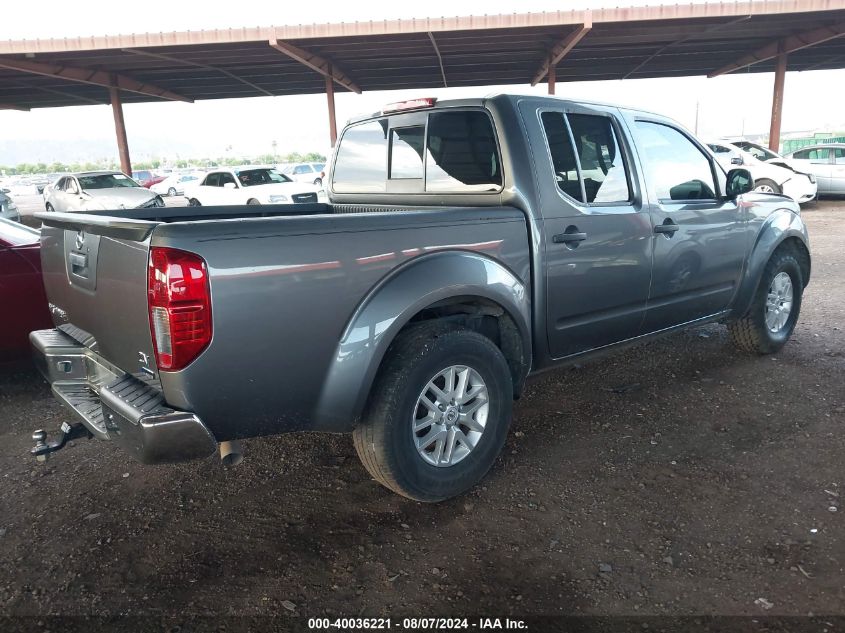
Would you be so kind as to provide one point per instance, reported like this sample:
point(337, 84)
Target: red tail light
point(180, 307)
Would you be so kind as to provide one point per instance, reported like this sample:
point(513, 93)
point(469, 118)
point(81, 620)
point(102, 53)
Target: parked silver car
point(98, 191)
point(8, 208)
point(826, 162)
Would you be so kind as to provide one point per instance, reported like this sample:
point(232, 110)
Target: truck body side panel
point(284, 291)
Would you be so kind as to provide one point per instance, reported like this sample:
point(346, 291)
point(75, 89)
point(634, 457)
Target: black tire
point(171, 192)
point(193, 202)
point(50, 208)
point(384, 439)
point(252, 201)
point(750, 333)
point(765, 182)
point(318, 181)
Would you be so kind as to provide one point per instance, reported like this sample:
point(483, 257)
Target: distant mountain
point(85, 149)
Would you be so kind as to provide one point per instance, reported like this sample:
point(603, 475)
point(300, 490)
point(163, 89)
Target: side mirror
point(739, 182)
point(230, 185)
point(736, 160)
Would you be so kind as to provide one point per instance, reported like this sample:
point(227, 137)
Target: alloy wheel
point(450, 415)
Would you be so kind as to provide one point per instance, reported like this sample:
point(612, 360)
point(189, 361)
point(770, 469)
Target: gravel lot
point(681, 477)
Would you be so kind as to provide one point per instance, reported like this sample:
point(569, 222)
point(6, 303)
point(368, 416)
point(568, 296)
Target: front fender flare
point(778, 227)
point(390, 305)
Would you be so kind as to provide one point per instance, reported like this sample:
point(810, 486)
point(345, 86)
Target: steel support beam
point(695, 34)
point(562, 48)
point(439, 58)
point(88, 76)
point(786, 45)
point(59, 93)
point(120, 130)
point(320, 64)
point(332, 118)
point(777, 103)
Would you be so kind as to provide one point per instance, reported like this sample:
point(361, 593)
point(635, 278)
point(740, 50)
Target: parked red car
point(23, 305)
point(146, 178)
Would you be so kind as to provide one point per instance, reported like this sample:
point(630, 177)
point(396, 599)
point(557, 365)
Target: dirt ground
point(681, 477)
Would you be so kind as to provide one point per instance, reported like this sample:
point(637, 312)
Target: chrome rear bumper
point(114, 405)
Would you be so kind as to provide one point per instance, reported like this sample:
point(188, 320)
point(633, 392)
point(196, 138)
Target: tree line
point(26, 169)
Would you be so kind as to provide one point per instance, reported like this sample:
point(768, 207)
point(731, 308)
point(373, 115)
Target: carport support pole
point(777, 103)
point(551, 77)
point(330, 98)
point(120, 130)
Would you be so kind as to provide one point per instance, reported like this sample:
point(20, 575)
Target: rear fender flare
point(390, 305)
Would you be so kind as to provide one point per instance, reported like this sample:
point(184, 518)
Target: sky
point(727, 105)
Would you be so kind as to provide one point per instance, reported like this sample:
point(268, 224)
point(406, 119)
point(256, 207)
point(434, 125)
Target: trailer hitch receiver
point(43, 448)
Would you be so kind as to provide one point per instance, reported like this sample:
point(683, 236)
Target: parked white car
point(768, 177)
point(306, 172)
point(826, 162)
point(175, 184)
point(250, 185)
point(99, 190)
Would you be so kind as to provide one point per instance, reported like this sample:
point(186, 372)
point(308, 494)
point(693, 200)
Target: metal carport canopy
point(519, 48)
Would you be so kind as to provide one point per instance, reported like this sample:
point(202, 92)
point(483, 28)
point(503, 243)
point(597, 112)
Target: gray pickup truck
point(466, 245)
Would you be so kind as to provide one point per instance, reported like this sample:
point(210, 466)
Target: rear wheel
point(193, 202)
point(770, 320)
point(252, 201)
point(50, 208)
point(318, 181)
point(764, 185)
point(438, 415)
point(171, 192)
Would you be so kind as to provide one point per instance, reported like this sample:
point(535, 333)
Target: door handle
point(78, 260)
point(667, 228)
point(569, 238)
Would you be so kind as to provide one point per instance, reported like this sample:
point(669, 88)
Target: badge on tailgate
point(81, 251)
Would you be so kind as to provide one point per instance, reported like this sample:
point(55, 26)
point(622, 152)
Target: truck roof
point(482, 102)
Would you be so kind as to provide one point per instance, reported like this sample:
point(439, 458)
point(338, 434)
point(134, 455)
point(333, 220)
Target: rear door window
point(563, 155)
point(591, 170)
point(602, 167)
point(212, 180)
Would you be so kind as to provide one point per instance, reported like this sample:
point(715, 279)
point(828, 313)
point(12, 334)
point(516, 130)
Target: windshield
point(758, 152)
point(106, 181)
point(250, 177)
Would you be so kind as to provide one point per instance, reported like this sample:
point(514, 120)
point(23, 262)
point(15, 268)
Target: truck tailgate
point(95, 275)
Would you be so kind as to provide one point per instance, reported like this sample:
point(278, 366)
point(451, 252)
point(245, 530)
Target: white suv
point(306, 172)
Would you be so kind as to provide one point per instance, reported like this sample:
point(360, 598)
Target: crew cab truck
point(465, 245)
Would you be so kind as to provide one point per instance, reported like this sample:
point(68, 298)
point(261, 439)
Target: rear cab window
point(428, 151)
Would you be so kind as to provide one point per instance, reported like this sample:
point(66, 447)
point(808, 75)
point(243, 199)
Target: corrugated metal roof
point(633, 42)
